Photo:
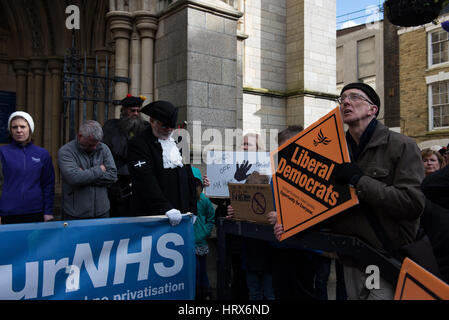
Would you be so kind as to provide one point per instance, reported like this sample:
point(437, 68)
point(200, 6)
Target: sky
point(355, 12)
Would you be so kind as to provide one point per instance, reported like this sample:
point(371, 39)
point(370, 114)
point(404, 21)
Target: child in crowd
point(202, 229)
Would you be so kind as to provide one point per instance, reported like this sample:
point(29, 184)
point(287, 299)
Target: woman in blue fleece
point(29, 177)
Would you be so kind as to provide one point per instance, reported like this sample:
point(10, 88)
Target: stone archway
point(33, 42)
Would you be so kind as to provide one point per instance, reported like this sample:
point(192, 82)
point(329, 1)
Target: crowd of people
point(133, 167)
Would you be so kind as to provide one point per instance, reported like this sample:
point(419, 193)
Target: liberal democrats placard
point(105, 259)
point(303, 179)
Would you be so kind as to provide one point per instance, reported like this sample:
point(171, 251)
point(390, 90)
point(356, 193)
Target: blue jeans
point(202, 280)
point(260, 285)
point(322, 276)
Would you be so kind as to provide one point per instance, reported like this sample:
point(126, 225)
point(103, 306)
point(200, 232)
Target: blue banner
point(104, 259)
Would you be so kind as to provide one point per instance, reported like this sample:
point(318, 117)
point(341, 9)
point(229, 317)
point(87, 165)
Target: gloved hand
point(174, 216)
point(348, 173)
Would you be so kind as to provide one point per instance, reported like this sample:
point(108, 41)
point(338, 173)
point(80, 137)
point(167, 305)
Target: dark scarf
point(356, 150)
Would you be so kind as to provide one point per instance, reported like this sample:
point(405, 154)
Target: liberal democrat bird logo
point(321, 139)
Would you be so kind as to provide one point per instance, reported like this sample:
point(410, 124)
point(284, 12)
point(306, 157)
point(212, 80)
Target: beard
point(132, 124)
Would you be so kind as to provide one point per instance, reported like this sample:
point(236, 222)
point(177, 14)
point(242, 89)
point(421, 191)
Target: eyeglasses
point(353, 97)
point(162, 125)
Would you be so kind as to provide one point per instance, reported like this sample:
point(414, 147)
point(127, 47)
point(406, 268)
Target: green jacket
point(389, 188)
point(205, 221)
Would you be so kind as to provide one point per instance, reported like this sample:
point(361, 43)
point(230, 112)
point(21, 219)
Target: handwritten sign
point(251, 202)
point(304, 186)
point(225, 167)
point(416, 283)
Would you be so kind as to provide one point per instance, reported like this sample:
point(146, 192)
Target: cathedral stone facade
point(232, 64)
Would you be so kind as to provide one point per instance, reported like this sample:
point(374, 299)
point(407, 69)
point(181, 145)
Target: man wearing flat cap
point(117, 132)
point(161, 183)
point(386, 170)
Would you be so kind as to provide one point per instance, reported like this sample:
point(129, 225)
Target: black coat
point(435, 219)
point(435, 222)
point(117, 140)
point(436, 187)
point(157, 190)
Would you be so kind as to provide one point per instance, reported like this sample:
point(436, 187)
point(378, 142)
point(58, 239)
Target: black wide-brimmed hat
point(368, 90)
point(163, 111)
point(131, 101)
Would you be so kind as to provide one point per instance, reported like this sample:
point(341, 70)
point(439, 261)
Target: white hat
point(24, 115)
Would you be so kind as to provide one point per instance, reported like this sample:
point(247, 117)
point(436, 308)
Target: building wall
point(413, 88)
point(289, 62)
point(391, 76)
point(415, 76)
point(273, 67)
point(264, 64)
point(360, 56)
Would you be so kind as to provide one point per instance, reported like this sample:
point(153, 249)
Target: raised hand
point(242, 170)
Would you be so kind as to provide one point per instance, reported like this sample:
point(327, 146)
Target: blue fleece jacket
point(29, 185)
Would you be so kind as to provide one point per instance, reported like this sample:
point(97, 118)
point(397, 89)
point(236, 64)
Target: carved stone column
point(55, 65)
point(21, 69)
point(121, 27)
point(146, 24)
point(102, 53)
point(135, 68)
point(38, 68)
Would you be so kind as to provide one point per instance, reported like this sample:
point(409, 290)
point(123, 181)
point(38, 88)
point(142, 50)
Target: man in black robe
point(161, 183)
point(117, 132)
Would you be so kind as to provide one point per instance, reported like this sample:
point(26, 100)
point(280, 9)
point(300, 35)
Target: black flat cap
point(131, 101)
point(163, 111)
point(368, 90)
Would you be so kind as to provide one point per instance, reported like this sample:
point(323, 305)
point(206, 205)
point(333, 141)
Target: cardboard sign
point(225, 167)
point(304, 186)
point(416, 283)
point(251, 202)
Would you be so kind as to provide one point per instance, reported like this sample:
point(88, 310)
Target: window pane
point(436, 122)
point(439, 47)
point(435, 59)
point(440, 104)
point(435, 88)
point(444, 51)
point(435, 48)
point(445, 110)
point(445, 122)
point(435, 99)
point(435, 37)
point(443, 88)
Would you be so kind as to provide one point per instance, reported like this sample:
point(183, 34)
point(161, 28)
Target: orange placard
point(416, 283)
point(303, 181)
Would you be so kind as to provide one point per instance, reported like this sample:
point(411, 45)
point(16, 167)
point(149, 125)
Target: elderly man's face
point(159, 130)
point(88, 144)
point(132, 112)
point(355, 106)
